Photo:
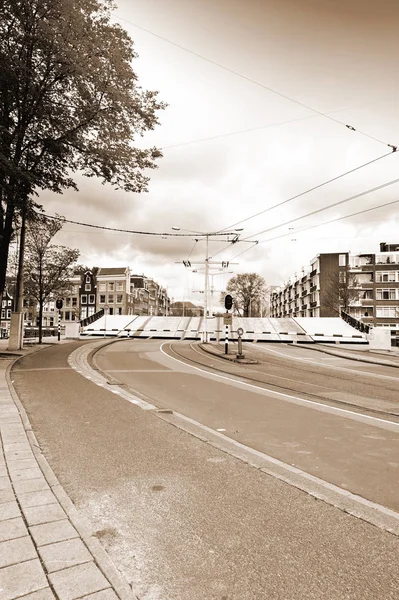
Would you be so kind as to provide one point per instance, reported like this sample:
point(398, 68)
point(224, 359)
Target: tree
point(342, 289)
point(69, 101)
point(248, 291)
point(48, 268)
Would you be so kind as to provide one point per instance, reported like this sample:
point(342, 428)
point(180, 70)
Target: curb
point(100, 556)
point(365, 359)
point(241, 361)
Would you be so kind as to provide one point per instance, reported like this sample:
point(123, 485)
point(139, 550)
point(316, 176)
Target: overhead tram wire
point(131, 231)
point(308, 191)
point(360, 212)
point(257, 83)
point(267, 126)
point(319, 210)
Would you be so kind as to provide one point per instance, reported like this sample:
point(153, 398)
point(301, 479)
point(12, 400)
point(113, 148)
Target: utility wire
point(360, 212)
point(255, 82)
point(103, 227)
point(269, 125)
point(308, 191)
point(319, 210)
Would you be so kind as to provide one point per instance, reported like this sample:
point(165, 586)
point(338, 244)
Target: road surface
point(186, 521)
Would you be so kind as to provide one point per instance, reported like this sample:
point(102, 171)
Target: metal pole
point(206, 291)
point(59, 324)
point(226, 340)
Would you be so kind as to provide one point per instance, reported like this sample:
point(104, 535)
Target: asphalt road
point(184, 521)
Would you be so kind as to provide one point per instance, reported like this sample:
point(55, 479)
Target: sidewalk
point(46, 549)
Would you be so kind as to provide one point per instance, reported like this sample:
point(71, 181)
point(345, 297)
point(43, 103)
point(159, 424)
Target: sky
point(259, 93)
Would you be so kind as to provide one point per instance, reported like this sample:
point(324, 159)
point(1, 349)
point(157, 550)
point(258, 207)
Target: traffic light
point(228, 302)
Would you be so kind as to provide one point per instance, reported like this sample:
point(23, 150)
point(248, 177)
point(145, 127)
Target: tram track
point(277, 387)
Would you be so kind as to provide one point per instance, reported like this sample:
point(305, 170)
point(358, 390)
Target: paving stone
point(16, 551)
point(45, 594)
point(22, 579)
point(35, 515)
point(21, 464)
point(9, 510)
point(6, 495)
point(13, 438)
point(49, 533)
point(12, 529)
point(24, 445)
point(3, 470)
point(30, 485)
point(108, 594)
point(14, 454)
point(4, 483)
point(7, 419)
point(37, 498)
point(64, 554)
point(78, 581)
point(25, 474)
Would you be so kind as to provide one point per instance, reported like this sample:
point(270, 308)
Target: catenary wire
point(360, 212)
point(254, 81)
point(319, 210)
point(308, 191)
point(103, 227)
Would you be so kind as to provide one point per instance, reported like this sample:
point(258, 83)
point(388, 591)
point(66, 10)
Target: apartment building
point(365, 285)
point(150, 298)
point(113, 291)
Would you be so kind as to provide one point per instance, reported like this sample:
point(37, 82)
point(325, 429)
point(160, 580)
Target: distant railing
point(92, 318)
point(355, 322)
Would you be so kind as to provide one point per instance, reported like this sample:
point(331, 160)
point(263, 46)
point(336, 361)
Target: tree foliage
point(48, 268)
point(341, 291)
point(69, 101)
point(248, 291)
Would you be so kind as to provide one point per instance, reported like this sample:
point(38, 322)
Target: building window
point(92, 299)
point(342, 260)
point(119, 298)
point(87, 278)
point(90, 311)
point(385, 294)
point(74, 289)
point(3, 314)
point(102, 298)
point(111, 310)
point(83, 312)
point(110, 298)
point(74, 301)
point(67, 315)
point(84, 299)
point(385, 276)
point(111, 287)
point(119, 310)
point(102, 287)
point(87, 287)
point(67, 302)
point(387, 311)
point(119, 286)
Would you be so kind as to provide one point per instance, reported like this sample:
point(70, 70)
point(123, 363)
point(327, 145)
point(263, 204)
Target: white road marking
point(311, 403)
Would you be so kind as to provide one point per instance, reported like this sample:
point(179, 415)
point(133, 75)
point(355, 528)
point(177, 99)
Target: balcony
point(313, 273)
point(313, 288)
point(304, 278)
point(304, 306)
point(305, 293)
point(313, 304)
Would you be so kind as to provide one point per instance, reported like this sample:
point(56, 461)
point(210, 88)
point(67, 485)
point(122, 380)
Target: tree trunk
point(40, 320)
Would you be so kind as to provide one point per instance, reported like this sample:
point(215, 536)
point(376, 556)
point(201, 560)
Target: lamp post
point(106, 307)
point(206, 236)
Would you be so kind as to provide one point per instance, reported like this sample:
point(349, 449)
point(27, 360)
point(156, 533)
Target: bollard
point(240, 331)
